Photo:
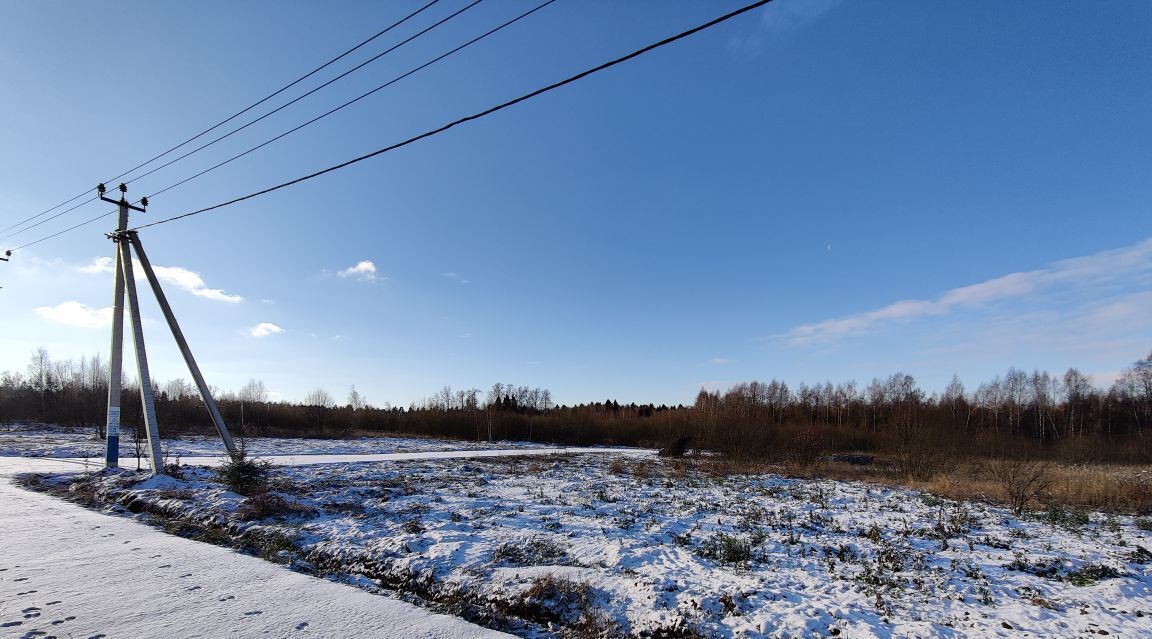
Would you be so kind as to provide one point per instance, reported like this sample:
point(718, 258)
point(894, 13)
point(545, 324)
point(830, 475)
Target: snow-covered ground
point(66, 571)
point(51, 441)
point(634, 545)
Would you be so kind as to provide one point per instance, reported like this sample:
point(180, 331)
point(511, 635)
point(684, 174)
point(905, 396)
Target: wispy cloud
point(192, 282)
point(1098, 270)
point(456, 277)
point(264, 329)
point(363, 270)
point(780, 20)
point(720, 360)
point(177, 276)
point(76, 314)
point(99, 265)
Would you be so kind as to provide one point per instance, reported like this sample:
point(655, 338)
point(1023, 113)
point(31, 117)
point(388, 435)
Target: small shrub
point(1066, 518)
point(803, 450)
point(413, 526)
point(726, 549)
point(556, 599)
point(245, 476)
point(1091, 573)
point(538, 551)
point(265, 505)
point(1140, 555)
point(677, 448)
point(1144, 523)
point(1022, 479)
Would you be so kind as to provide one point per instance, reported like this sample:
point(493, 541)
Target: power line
point(301, 97)
point(49, 219)
point(70, 228)
point(226, 120)
point(358, 98)
point(475, 116)
point(484, 35)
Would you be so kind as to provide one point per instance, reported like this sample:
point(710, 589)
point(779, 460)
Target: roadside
point(73, 572)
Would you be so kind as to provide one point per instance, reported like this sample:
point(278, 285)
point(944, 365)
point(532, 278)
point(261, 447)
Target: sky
point(817, 190)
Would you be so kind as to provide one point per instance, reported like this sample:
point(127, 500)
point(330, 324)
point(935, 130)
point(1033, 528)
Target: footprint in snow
point(253, 612)
point(31, 613)
point(187, 574)
point(227, 598)
point(192, 589)
point(166, 566)
point(27, 592)
point(99, 636)
point(20, 579)
point(61, 621)
point(11, 624)
point(155, 556)
point(52, 603)
point(302, 625)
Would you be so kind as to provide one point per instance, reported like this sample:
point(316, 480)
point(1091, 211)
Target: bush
point(726, 549)
point(245, 476)
point(1023, 480)
point(676, 448)
point(1091, 573)
point(539, 551)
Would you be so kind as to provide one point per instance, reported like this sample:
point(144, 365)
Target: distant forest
point(1038, 414)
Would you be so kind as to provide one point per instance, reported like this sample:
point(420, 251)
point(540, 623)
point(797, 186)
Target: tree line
point(1064, 416)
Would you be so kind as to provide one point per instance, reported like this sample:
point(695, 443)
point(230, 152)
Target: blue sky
point(816, 191)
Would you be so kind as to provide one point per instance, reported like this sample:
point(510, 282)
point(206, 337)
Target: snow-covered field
point(21, 440)
point(634, 545)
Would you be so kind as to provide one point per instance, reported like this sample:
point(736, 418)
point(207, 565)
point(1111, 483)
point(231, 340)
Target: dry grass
point(1114, 488)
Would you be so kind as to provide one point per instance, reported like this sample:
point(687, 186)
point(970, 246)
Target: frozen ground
point(66, 571)
point(638, 546)
point(30, 440)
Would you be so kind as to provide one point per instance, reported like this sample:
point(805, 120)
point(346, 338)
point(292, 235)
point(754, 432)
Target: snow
point(655, 546)
point(71, 572)
point(39, 440)
point(534, 538)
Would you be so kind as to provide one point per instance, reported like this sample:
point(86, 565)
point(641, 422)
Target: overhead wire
point(225, 120)
point(301, 97)
point(469, 118)
point(457, 49)
point(387, 84)
point(441, 129)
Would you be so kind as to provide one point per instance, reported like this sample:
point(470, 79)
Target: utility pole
point(125, 282)
point(115, 364)
point(205, 393)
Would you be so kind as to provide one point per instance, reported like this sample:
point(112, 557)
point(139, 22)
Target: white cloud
point(192, 282)
point(76, 314)
point(264, 329)
point(1107, 267)
point(456, 278)
point(363, 270)
point(99, 265)
point(720, 360)
point(177, 276)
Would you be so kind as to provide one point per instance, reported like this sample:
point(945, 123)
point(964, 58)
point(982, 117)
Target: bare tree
point(355, 399)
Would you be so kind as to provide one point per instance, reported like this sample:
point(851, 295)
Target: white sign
point(114, 422)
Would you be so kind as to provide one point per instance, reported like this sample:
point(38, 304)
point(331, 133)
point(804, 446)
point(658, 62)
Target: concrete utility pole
point(115, 364)
point(126, 241)
point(205, 393)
